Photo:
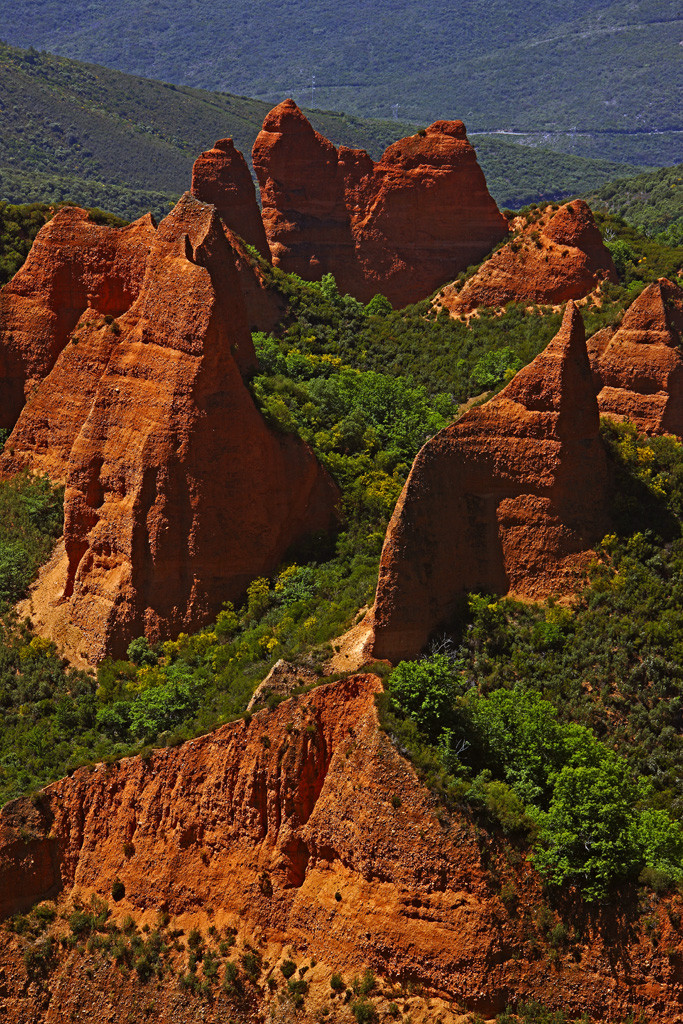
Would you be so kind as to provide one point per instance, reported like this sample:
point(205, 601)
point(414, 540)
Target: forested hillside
point(594, 78)
point(78, 132)
point(652, 202)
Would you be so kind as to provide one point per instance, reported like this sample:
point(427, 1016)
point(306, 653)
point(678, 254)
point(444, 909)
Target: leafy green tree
point(495, 367)
point(161, 708)
point(588, 836)
point(623, 255)
point(140, 653)
point(424, 690)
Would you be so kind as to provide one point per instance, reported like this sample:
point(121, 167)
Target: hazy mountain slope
point(74, 131)
point(596, 66)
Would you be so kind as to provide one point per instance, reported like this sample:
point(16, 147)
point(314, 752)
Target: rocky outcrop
point(178, 493)
point(74, 265)
point(304, 831)
point(639, 368)
point(400, 226)
point(509, 498)
point(221, 177)
point(555, 256)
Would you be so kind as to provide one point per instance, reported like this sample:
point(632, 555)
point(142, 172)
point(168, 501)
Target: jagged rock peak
point(178, 493)
point(556, 255)
point(638, 369)
point(74, 264)
point(220, 176)
point(399, 226)
point(656, 315)
point(509, 498)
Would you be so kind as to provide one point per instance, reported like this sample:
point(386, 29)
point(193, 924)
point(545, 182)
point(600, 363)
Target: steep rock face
point(178, 493)
point(299, 844)
point(557, 257)
point(74, 264)
point(50, 422)
point(220, 176)
point(400, 226)
point(509, 498)
point(639, 368)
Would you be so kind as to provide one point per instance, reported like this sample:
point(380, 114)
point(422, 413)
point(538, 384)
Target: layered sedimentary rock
point(557, 256)
point(639, 368)
point(178, 493)
point(221, 177)
point(509, 498)
point(74, 265)
point(287, 829)
point(400, 226)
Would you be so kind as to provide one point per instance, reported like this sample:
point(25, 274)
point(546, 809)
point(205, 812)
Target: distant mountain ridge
point(592, 77)
point(79, 132)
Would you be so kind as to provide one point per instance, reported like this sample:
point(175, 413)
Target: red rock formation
point(178, 494)
point(58, 406)
point(639, 368)
point(44, 434)
point(509, 498)
point(555, 257)
point(299, 844)
point(400, 226)
point(74, 264)
point(220, 176)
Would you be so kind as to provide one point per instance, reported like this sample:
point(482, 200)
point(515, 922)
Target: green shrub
point(364, 1012)
point(288, 967)
point(81, 922)
point(40, 958)
point(118, 890)
point(45, 912)
point(251, 962)
point(424, 691)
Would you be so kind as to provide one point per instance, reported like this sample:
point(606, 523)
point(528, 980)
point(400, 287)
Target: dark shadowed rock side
point(638, 369)
point(177, 492)
point(557, 256)
point(401, 226)
point(510, 498)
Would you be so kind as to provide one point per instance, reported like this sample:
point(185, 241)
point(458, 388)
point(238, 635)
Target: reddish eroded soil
point(305, 831)
point(555, 257)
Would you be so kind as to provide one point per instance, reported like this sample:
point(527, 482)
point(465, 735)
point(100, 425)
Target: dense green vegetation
point(652, 203)
point(19, 225)
point(86, 134)
point(598, 78)
point(526, 713)
point(31, 520)
point(564, 721)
